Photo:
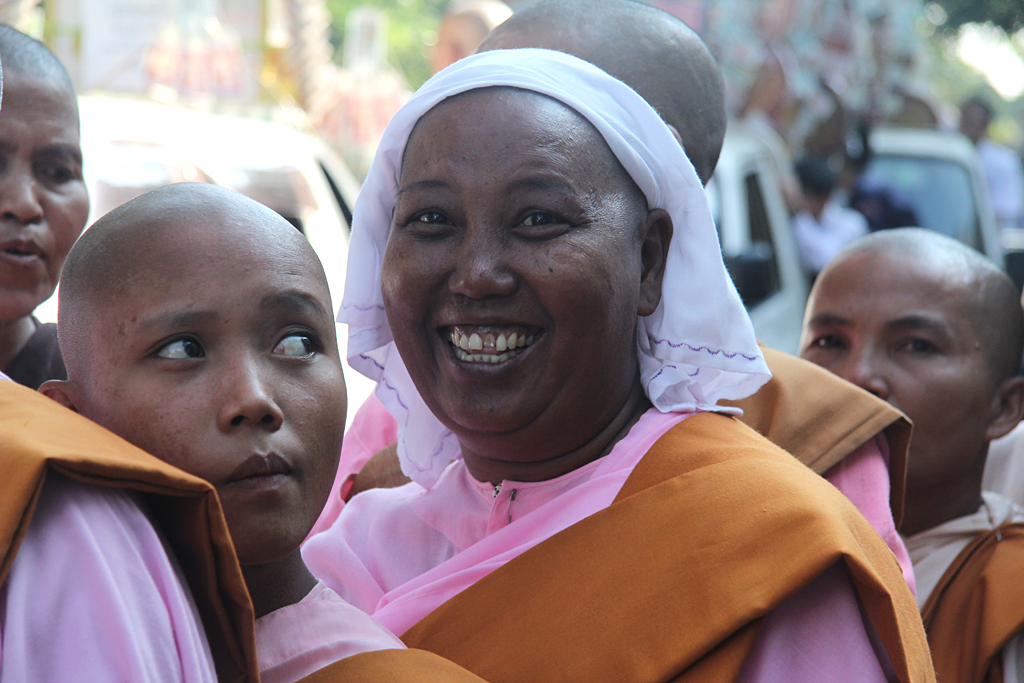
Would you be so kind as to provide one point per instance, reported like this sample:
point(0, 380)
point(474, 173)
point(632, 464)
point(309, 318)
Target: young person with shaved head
point(830, 425)
point(936, 329)
point(197, 325)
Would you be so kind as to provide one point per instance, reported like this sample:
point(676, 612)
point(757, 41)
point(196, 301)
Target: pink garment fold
point(298, 640)
point(863, 477)
point(95, 595)
point(401, 553)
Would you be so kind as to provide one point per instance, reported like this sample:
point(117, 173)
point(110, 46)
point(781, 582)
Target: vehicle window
point(755, 270)
point(939, 192)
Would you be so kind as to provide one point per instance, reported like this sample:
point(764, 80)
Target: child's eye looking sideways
point(181, 349)
point(295, 346)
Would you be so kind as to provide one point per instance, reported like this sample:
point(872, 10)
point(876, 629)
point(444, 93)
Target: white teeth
point(475, 343)
point(512, 339)
point(484, 357)
point(464, 343)
point(501, 344)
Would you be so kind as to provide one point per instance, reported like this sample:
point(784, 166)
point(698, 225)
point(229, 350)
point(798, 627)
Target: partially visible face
point(512, 274)
point(220, 358)
point(904, 331)
point(43, 201)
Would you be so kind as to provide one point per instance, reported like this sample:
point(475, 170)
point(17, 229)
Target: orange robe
point(821, 418)
point(977, 607)
point(714, 528)
point(38, 435)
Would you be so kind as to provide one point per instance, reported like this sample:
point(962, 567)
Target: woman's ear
point(1010, 408)
point(657, 235)
point(61, 391)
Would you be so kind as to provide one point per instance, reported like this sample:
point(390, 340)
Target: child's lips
point(259, 468)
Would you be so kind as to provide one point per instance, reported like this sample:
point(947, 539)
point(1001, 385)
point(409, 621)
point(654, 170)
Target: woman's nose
point(864, 370)
point(481, 266)
point(248, 401)
point(19, 198)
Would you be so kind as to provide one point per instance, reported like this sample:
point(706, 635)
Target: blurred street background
point(845, 115)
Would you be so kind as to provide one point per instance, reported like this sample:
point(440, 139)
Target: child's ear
point(61, 391)
point(1011, 408)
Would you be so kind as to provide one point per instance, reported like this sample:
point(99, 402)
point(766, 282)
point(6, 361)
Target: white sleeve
point(94, 595)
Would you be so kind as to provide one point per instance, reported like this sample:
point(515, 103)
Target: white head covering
point(697, 348)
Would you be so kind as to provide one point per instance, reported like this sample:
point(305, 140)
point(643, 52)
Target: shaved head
point(165, 230)
point(996, 311)
point(28, 56)
point(648, 49)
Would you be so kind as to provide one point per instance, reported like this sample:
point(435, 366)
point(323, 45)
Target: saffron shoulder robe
point(695, 550)
point(130, 563)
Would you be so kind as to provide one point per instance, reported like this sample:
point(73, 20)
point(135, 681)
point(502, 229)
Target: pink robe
point(862, 476)
point(400, 553)
point(94, 594)
point(294, 641)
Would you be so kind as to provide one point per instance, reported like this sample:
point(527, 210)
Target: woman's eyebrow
point(422, 185)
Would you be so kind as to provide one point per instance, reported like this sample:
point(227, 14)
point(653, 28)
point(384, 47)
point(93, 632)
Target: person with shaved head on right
point(937, 330)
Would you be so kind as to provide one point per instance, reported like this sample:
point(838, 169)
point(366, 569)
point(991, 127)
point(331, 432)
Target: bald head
point(995, 307)
point(164, 235)
point(24, 55)
point(648, 49)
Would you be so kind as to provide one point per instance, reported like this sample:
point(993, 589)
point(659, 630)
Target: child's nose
point(250, 403)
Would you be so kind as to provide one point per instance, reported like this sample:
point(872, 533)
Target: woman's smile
point(490, 343)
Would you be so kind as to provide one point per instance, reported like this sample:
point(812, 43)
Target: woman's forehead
point(513, 122)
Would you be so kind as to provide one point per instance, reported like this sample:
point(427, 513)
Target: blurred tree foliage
point(1006, 14)
point(412, 28)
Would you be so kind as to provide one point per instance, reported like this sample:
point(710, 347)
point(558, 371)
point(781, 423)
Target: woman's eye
point(538, 218)
point(827, 341)
point(294, 346)
point(431, 218)
point(181, 349)
point(920, 346)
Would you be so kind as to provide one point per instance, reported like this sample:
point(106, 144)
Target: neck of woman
point(277, 584)
point(485, 468)
point(14, 334)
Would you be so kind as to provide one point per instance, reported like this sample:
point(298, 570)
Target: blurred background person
point(463, 27)
point(822, 226)
point(1001, 166)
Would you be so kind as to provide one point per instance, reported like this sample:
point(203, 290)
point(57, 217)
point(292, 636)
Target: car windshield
point(938, 191)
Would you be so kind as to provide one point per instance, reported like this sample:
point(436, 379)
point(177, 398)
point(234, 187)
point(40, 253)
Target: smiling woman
point(536, 284)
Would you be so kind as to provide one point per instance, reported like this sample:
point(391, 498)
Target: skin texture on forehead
point(648, 49)
point(993, 305)
point(120, 249)
point(513, 214)
point(22, 54)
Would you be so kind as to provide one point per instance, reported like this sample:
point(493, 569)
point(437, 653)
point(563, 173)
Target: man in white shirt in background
point(1002, 166)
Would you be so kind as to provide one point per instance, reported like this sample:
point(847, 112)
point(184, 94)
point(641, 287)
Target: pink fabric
point(863, 477)
point(820, 634)
point(400, 553)
point(297, 640)
point(372, 429)
point(93, 595)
